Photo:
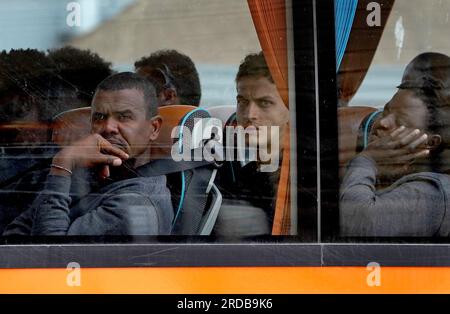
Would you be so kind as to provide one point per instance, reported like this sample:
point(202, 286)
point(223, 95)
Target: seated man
point(248, 189)
point(174, 76)
point(400, 185)
point(44, 86)
point(95, 185)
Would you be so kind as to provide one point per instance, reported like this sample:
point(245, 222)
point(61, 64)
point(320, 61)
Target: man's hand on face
point(89, 152)
point(394, 153)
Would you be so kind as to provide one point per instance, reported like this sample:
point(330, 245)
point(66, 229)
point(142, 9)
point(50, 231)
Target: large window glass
point(134, 117)
point(394, 106)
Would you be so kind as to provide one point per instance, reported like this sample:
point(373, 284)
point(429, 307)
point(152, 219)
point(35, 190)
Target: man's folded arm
point(413, 207)
point(123, 213)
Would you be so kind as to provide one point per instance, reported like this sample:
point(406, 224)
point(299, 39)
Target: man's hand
point(396, 152)
point(91, 151)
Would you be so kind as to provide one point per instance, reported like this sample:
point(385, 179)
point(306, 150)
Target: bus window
point(393, 115)
point(137, 118)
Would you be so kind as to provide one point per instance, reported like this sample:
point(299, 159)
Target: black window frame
point(317, 198)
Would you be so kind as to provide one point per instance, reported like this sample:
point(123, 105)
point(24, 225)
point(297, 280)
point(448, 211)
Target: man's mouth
point(251, 128)
point(119, 144)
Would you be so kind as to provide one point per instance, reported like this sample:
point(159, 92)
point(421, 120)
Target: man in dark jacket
point(95, 186)
point(249, 187)
point(399, 185)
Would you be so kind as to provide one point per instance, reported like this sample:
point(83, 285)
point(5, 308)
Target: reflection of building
point(216, 34)
point(426, 24)
point(210, 31)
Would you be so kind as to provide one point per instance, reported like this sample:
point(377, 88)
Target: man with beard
point(399, 185)
point(107, 165)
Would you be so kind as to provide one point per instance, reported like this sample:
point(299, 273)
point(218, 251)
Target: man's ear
point(156, 124)
point(169, 97)
point(434, 141)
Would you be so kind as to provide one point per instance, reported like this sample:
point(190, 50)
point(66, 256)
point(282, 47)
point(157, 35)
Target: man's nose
point(253, 111)
point(387, 123)
point(110, 126)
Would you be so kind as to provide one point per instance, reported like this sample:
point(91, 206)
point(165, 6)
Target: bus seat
point(171, 115)
point(11, 133)
point(349, 128)
point(196, 199)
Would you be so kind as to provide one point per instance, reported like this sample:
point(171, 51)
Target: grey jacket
point(134, 206)
point(416, 205)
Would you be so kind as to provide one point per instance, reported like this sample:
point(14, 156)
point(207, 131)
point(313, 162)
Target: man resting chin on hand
point(124, 123)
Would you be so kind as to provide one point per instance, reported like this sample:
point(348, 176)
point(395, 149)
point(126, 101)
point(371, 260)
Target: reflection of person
point(124, 123)
point(250, 193)
point(174, 76)
point(24, 75)
point(35, 87)
point(23, 72)
point(76, 75)
point(408, 152)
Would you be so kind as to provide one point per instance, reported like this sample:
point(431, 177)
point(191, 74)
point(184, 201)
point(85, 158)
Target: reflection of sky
point(42, 24)
point(218, 87)
point(378, 86)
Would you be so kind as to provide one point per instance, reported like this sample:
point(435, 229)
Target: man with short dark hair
point(174, 76)
point(124, 123)
point(34, 88)
point(249, 191)
point(398, 186)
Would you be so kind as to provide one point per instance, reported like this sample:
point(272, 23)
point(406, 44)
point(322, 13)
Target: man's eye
point(124, 117)
point(99, 117)
point(265, 103)
point(242, 102)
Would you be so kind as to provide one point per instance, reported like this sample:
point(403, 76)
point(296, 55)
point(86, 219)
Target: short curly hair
point(23, 75)
point(185, 76)
point(428, 76)
point(254, 65)
point(130, 80)
point(81, 68)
